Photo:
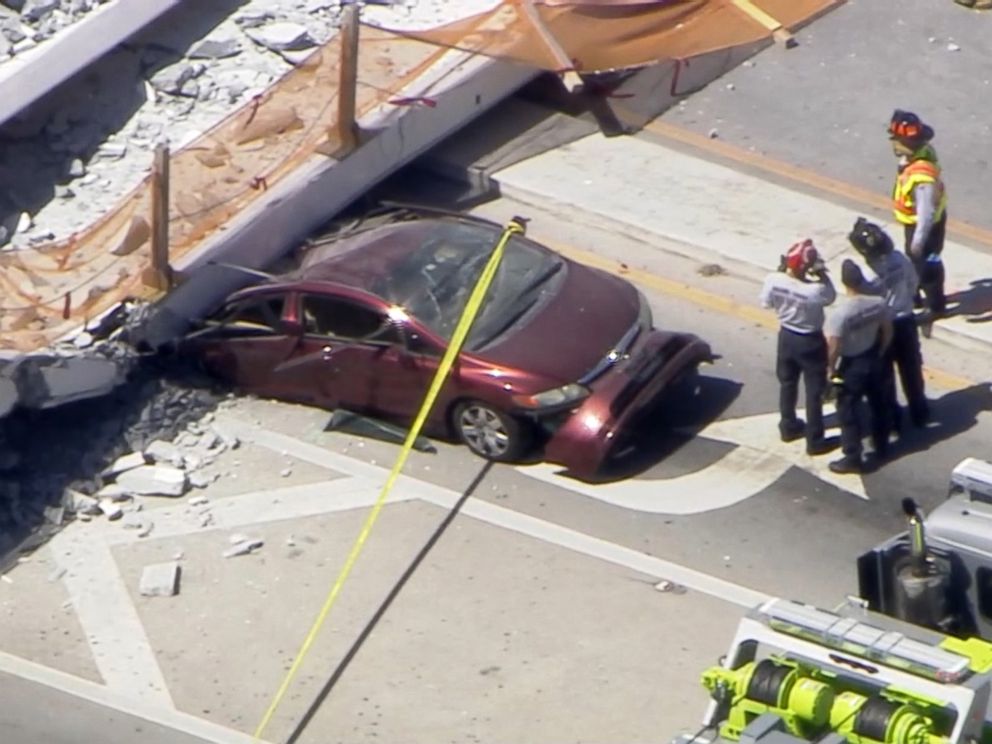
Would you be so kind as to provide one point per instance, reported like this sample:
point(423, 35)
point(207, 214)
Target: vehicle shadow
point(953, 414)
point(974, 304)
point(667, 426)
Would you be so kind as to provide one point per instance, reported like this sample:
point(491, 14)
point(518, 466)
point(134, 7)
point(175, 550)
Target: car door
point(245, 342)
point(352, 355)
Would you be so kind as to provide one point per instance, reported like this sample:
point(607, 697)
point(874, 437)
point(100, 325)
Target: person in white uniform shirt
point(798, 292)
point(894, 277)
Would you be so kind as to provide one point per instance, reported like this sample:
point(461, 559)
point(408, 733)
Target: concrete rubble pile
point(74, 155)
point(66, 461)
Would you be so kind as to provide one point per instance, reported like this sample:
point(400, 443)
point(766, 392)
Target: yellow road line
point(713, 301)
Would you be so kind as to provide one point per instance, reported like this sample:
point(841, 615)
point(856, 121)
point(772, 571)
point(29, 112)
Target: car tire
point(490, 433)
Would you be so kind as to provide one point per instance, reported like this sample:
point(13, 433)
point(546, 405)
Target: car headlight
point(554, 398)
point(645, 320)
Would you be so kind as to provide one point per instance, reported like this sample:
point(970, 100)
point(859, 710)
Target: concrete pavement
point(676, 201)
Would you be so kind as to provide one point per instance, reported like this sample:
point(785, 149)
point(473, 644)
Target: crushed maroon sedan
point(561, 354)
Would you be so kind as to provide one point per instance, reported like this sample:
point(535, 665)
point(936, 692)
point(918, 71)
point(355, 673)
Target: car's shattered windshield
point(434, 281)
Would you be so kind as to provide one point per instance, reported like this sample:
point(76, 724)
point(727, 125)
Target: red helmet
point(801, 257)
point(907, 127)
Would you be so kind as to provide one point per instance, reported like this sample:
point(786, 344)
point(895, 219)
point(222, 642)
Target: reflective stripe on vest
point(917, 172)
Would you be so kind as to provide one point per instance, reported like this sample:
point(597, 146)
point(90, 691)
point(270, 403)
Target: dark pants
point(931, 273)
point(904, 354)
point(863, 378)
point(806, 355)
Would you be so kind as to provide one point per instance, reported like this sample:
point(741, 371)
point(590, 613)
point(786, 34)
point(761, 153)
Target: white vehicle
point(939, 573)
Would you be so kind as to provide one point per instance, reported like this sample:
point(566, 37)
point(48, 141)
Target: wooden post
point(161, 271)
point(570, 77)
point(347, 128)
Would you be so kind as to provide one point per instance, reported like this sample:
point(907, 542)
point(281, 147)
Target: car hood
point(574, 331)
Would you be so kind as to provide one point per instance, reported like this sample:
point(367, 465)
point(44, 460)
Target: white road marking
point(515, 521)
point(760, 432)
point(107, 697)
point(109, 618)
point(759, 459)
point(740, 474)
point(121, 649)
point(117, 639)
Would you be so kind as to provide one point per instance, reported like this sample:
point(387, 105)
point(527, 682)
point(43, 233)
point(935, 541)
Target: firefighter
point(919, 201)
point(798, 292)
point(858, 333)
point(893, 276)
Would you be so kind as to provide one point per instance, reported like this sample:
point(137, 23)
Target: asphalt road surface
point(825, 104)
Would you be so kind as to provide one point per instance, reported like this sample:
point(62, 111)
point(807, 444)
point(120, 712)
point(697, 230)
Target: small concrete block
point(228, 437)
point(244, 547)
point(125, 463)
point(160, 580)
point(161, 451)
point(201, 480)
point(111, 509)
point(80, 503)
point(154, 480)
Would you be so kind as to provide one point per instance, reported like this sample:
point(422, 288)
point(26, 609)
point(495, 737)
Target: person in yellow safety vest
point(919, 201)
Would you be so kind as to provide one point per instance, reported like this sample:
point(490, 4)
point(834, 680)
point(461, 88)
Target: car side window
point(337, 318)
point(255, 314)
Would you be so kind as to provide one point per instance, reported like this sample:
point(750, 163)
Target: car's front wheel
point(490, 433)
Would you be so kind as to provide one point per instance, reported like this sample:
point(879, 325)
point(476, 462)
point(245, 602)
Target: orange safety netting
point(600, 35)
point(48, 291)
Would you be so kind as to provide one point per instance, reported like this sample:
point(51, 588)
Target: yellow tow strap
point(516, 226)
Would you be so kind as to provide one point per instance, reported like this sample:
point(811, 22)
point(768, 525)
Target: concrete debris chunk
point(112, 150)
point(170, 79)
point(111, 509)
point(160, 452)
point(201, 480)
point(160, 580)
point(54, 514)
point(80, 503)
point(209, 440)
point(125, 463)
point(227, 436)
point(56, 573)
point(37, 10)
point(282, 36)
point(199, 501)
point(218, 47)
point(154, 480)
point(245, 546)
